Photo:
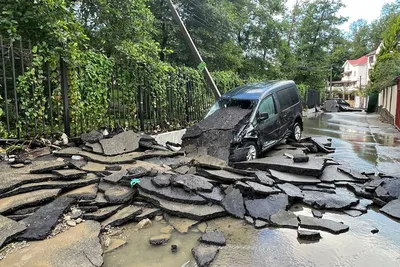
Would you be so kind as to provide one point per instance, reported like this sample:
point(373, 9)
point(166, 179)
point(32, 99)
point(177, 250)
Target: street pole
point(331, 81)
point(193, 48)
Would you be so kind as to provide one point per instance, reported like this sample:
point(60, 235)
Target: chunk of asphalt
point(322, 224)
point(322, 200)
point(317, 213)
point(216, 196)
point(9, 204)
point(314, 167)
point(293, 178)
point(205, 255)
point(160, 239)
point(284, 218)
point(147, 213)
point(259, 224)
point(170, 193)
point(122, 216)
point(161, 180)
point(291, 190)
point(115, 177)
point(300, 158)
point(264, 190)
point(88, 192)
point(224, 176)
point(48, 166)
point(392, 186)
point(308, 235)
point(249, 220)
point(233, 203)
point(190, 211)
point(117, 194)
point(263, 178)
point(42, 222)
point(58, 184)
point(319, 189)
point(182, 225)
point(9, 229)
point(192, 182)
point(353, 173)
point(138, 172)
point(95, 148)
point(392, 208)
point(216, 238)
point(91, 137)
point(69, 174)
point(264, 208)
point(353, 213)
point(102, 214)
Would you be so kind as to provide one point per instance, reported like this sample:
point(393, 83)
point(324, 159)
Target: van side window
point(267, 106)
point(294, 95)
point(284, 98)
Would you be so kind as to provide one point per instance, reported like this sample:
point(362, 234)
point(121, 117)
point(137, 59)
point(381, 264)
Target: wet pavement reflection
point(361, 140)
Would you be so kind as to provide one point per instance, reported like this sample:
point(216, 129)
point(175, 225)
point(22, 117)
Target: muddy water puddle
point(247, 246)
point(139, 253)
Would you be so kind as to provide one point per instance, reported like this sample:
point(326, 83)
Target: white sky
point(357, 9)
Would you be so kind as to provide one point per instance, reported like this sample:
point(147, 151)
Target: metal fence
point(134, 102)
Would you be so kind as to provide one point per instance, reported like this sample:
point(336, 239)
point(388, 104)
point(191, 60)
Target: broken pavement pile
point(97, 193)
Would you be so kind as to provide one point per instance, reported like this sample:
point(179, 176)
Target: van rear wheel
point(296, 132)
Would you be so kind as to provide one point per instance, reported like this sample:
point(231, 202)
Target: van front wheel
point(296, 133)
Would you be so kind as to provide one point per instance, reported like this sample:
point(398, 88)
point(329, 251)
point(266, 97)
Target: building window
point(355, 74)
point(371, 60)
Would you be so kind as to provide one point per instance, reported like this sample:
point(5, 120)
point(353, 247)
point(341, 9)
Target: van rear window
point(287, 97)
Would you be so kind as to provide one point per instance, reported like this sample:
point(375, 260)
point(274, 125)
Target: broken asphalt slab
point(89, 179)
point(233, 203)
point(353, 174)
point(264, 178)
point(88, 192)
point(10, 180)
point(308, 235)
point(9, 229)
point(264, 208)
point(204, 255)
point(192, 182)
point(260, 189)
point(332, 175)
point(322, 224)
point(124, 142)
point(321, 200)
point(216, 196)
point(190, 211)
point(182, 225)
point(69, 174)
point(120, 159)
point(314, 167)
point(40, 224)
point(224, 176)
point(392, 208)
point(291, 190)
point(293, 178)
point(79, 246)
point(161, 180)
point(170, 193)
point(122, 216)
point(117, 194)
point(102, 214)
point(115, 177)
point(9, 204)
point(47, 166)
point(284, 218)
point(213, 238)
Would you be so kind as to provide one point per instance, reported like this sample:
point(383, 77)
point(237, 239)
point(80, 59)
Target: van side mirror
point(262, 116)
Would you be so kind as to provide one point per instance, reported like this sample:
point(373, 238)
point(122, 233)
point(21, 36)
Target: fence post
point(187, 101)
point(141, 108)
point(64, 92)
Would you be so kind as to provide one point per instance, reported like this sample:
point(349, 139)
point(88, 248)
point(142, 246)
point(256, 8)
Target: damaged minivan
point(276, 114)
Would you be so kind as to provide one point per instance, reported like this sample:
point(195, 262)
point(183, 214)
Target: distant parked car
point(337, 105)
point(276, 115)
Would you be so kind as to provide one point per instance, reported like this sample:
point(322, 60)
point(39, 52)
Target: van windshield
point(229, 102)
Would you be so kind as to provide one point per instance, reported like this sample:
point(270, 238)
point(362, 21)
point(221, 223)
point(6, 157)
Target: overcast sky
point(358, 9)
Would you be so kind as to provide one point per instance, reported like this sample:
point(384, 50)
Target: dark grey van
point(276, 115)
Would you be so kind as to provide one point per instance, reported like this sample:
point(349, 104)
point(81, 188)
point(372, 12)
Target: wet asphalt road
point(361, 140)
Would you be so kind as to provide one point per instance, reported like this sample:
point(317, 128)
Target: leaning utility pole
point(193, 47)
